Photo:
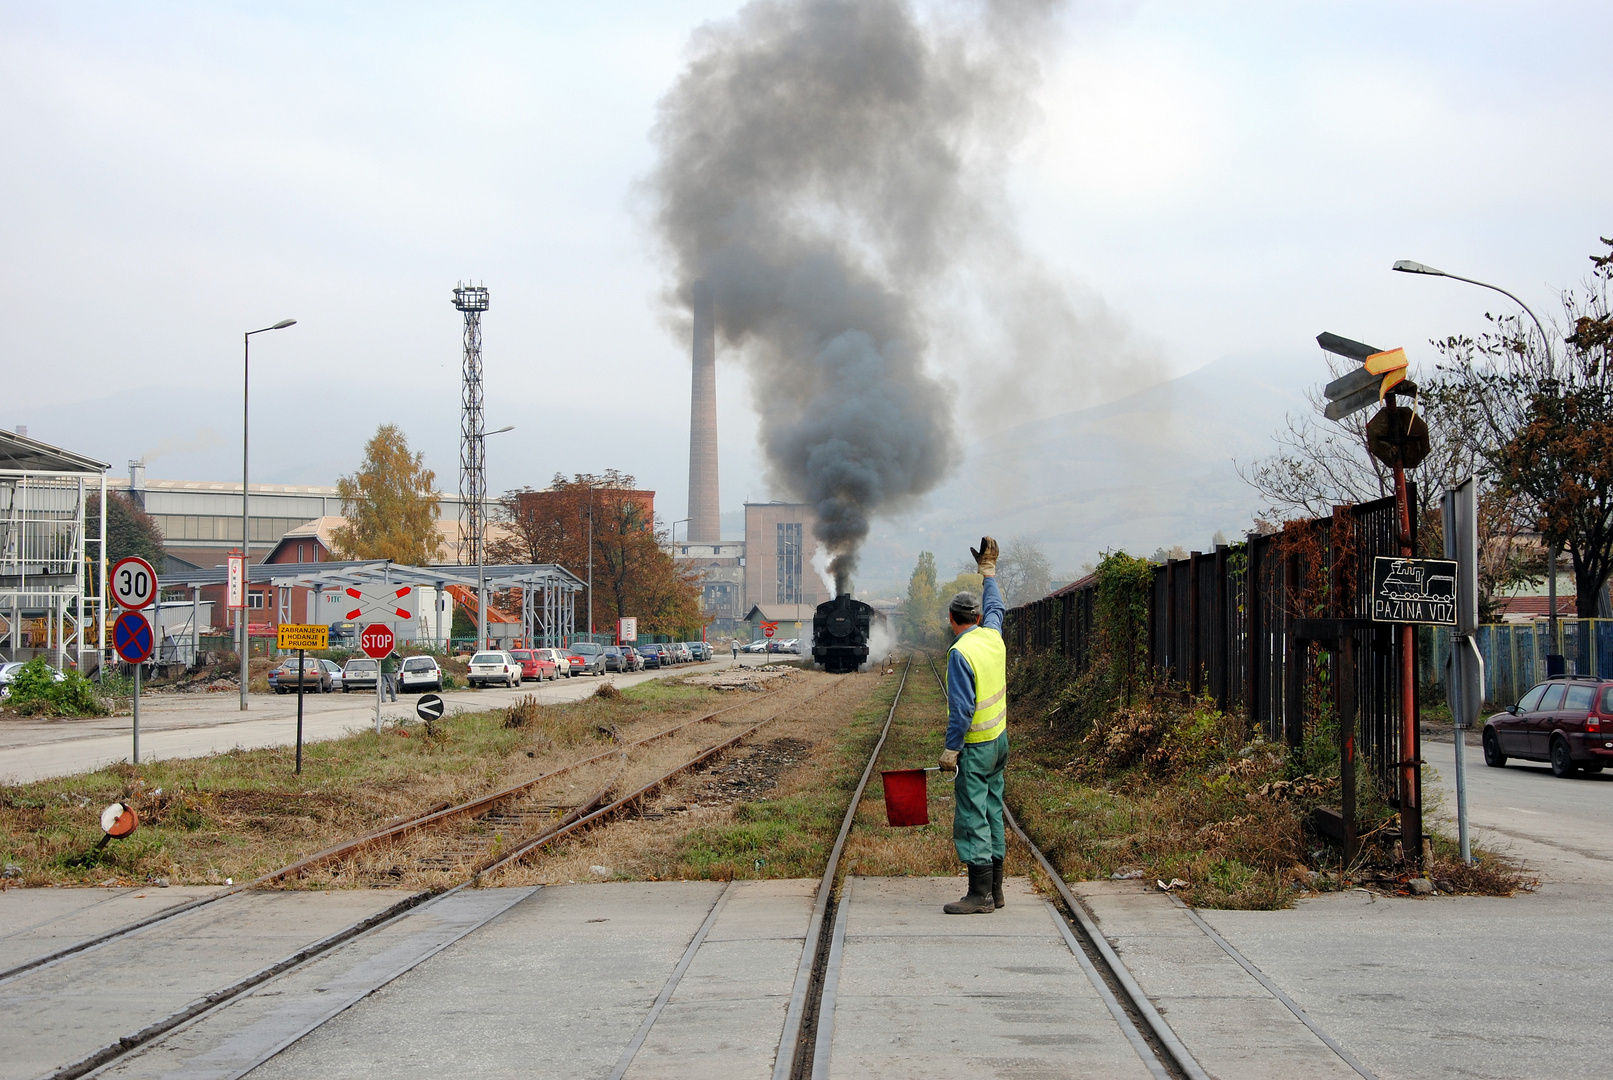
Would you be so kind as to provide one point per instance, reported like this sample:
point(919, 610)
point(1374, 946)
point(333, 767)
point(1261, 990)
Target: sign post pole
point(1411, 810)
point(300, 674)
point(137, 668)
point(376, 641)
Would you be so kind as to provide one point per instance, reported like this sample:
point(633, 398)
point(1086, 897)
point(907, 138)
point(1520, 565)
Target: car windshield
point(487, 658)
point(521, 654)
point(361, 665)
point(419, 664)
point(331, 666)
point(585, 648)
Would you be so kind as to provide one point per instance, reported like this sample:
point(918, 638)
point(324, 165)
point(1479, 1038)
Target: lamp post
point(1409, 266)
point(245, 642)
point(481, 542)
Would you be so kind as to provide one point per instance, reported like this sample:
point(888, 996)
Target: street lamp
point(481, 542)
point(1408, 266)
point(246, 530)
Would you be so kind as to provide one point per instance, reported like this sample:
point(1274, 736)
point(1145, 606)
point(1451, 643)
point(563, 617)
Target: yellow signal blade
point(1389, 360)
point(1389, 380)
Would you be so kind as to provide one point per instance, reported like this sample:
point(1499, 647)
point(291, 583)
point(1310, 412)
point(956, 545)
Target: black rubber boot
point(997, 882)
point(978, 899)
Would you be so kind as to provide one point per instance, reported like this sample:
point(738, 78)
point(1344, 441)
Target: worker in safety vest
point(977, 734)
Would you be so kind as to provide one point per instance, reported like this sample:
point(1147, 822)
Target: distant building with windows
point(780, 541)
point(721, 567)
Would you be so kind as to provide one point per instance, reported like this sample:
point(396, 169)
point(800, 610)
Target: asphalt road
point(193, 725)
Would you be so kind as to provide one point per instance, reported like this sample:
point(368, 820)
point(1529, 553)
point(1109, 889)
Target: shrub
point(36, 691)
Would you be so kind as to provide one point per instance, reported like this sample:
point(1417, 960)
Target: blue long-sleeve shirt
point(960, 677)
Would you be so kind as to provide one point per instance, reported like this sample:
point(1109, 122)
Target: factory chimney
point(705, 525)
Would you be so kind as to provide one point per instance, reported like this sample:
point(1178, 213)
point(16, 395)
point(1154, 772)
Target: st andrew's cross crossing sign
point(376, 641)
point(384, 602)
point(131, 636)
point(769, 629)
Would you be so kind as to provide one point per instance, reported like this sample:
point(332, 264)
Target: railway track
point(506, 833)
point(807, 1041)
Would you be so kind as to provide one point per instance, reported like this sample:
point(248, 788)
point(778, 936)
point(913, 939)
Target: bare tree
point(1024, 572)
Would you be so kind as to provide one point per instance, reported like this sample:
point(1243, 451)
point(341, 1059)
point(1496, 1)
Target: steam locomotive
point(840, 629)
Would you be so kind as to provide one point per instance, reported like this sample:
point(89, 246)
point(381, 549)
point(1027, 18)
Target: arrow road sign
point(386, 603)
point(131, 636)
point(429, 707)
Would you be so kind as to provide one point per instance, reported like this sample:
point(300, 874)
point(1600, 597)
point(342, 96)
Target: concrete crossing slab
point(929, 996)
point(559, 985)
point(59, 1013)
point(37, 922)
point(1230, 1023)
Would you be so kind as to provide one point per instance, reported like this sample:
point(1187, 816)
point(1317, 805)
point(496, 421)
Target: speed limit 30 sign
point(134, 583)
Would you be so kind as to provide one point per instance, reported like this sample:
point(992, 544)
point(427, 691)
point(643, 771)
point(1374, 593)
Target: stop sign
point(376, 641)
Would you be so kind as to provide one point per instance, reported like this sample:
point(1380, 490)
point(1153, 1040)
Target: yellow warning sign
point(303, 636)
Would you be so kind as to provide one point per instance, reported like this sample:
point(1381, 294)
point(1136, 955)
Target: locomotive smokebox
point(840, 629)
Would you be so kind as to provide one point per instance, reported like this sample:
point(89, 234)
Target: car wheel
point(1562, 762)
point(1493, 757)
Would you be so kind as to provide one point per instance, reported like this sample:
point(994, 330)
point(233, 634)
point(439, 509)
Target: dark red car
point(534, 666)
point(1567, 721)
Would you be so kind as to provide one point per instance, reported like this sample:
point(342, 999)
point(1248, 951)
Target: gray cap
point(965, 605)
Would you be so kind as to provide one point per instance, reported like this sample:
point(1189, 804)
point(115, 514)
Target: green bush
point(35, 691)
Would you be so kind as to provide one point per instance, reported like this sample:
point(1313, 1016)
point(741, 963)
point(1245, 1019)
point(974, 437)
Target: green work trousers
point(977, 796)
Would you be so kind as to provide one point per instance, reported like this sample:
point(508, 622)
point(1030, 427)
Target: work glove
point(949, 761)
point(986, 557)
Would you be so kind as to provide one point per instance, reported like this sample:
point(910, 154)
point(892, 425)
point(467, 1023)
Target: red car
point(534, 666)
point(1567, 721)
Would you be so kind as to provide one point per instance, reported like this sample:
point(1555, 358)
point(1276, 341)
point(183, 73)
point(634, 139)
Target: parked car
point(592, 656)
point(559, 658)
point(494, 667)
point(284, 677)
point(634, 662)
point(1567, 721)
point(420, 673)
point(535, 666)
point(650, 657)
point(334, 670)
point(755, 646)
point(618, 659)
point(360, 673)
point(680, 651)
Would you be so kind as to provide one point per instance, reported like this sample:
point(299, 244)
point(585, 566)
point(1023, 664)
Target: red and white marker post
point(377, 642)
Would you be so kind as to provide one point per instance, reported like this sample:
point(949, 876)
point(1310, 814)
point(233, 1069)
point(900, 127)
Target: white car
point(560, 660)
point(420, 673)
point(494, 667)
point(335, 671)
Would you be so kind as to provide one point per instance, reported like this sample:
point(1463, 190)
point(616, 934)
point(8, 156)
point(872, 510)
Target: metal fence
point(1221, 624)
point(1515, 655)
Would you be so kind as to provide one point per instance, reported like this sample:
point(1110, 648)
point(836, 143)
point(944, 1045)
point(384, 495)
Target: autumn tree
point(633, 574)
point(390, 505)
point(129, 529)
point(920, 625)
point(1545, 402)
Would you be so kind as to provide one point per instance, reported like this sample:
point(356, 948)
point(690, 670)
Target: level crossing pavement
point(636, 981)
point(194, 725)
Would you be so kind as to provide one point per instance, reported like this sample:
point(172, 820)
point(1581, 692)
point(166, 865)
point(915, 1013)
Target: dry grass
point(773, 809)
point(244, 813)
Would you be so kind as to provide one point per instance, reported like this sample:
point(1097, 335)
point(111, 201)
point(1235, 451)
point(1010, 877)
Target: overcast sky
point(1223, 177)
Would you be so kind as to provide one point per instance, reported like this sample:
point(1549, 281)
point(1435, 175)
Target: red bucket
point(906, 797)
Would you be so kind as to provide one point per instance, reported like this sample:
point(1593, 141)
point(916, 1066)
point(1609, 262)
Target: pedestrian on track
point(733, 643)
point(977, 734)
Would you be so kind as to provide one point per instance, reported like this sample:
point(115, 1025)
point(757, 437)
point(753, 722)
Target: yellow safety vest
point(983, 650)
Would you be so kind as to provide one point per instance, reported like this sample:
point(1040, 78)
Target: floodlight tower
point(472, 301)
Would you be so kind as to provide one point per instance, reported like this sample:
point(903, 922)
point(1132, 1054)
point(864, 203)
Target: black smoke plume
point(822, 164)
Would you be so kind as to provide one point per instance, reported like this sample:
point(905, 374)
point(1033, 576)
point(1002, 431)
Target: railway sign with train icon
point(1414, 591)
